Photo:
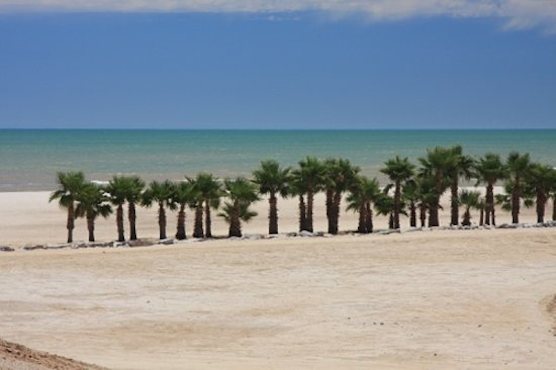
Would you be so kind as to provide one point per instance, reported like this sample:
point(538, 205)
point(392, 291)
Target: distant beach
point(29, 159)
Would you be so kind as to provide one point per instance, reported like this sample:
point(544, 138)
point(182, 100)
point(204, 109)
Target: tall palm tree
point(183, 196)
point(272, 180)
point(92, 202)
point(297, 189)
point(518, 166)
point(410, 194)
point(469, 199)
point(490, 169)
point(118, 189)
point(463, 168)
point(241, 194)
point(541, 180)
point(399, 171)
point(209, 190)
point(362, 195)
point(437, 165)
point(69, 185)
point(162, 194)
point(133, 196)
point(310, 175)
point(339, 176)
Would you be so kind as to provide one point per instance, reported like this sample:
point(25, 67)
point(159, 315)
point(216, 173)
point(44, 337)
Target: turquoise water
point(29, 159)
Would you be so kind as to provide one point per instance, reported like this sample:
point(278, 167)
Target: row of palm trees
point(413, 191)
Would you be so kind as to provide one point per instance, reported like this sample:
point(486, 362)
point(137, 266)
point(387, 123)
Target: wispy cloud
point(517, 14)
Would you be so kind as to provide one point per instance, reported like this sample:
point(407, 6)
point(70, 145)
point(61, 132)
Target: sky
point(264, 64)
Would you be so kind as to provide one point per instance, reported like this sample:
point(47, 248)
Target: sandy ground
point(482, 299)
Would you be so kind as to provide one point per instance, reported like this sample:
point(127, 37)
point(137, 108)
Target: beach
point(438, 299)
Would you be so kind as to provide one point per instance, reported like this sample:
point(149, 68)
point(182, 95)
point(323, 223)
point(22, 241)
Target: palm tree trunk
point(120, 222)
point(482, 217)
point(208, 221)
point(397, 206)
point(330, 209)
point(302, 213)
point(412, 214)
point(180, 232)
point(515, 201)
point(489, 200)
point(454, 202)
point(362, 227)
point(198, 227)
point(235, 224)
point(466, 218)
point(391, 221)
point(162, 221)
point(91, 227)
point(422, 214)
point(541, 204)
point(71, 222)
point(433, 213)
point(309, 220)
point(337, 201)
point(554, 208)
point(369, 217)
point(273, 215)
point(132, 215)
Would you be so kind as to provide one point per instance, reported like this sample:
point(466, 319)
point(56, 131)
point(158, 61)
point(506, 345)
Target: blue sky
point(65, 66)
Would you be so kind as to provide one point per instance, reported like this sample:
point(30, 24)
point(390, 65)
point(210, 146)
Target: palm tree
point(399, 171)
point(469, 199)
point(69, 185)
point(162, 194)
point(209, 190)
point(541, 180)
point(297, 188)
point(310, 177)
point(339, 176)
point(463, 168)
point(362, 194)
point(481, 206)
point(183, 196)
point(118, 189)
point(518, 166)
point(241, 194)
point(385, 206)
point(92, 202)
point(410, 194)
point(134, 195)
point(437, 166)
point(490, 169)
point(272, 180)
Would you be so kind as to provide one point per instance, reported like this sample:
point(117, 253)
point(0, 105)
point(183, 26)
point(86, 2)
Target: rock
point(34, 247)
point(319, 233)
point(292, 234)
point(305, 233)
point(141, 243)
point(166, 242)
point(253, 237)
point(4, 248)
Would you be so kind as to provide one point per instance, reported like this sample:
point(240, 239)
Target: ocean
point(29, 159)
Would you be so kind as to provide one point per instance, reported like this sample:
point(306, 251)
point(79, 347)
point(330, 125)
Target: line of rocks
point(150, 242)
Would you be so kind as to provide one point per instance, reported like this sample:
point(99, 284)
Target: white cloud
point(517, 13)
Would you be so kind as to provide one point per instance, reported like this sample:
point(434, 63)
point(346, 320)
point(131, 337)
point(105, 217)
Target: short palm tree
point(134, 195)
point(209, 190)
point(69, 185)
point(241, 193)
point(541, 180)
point(518, 166)
point(410, 194)
point(310, 178)
point(469, 199)
point(162, 194)
point(339, 176)
point(437, 166)
point(92, 202)
point(399, 171)
point(488, 170)
point(183, 196)
point(463, 168)
point(384, 205)
point(117, 190)
point(362, 195)
point(272, 180)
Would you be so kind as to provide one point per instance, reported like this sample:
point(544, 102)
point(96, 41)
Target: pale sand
point(423, 300)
